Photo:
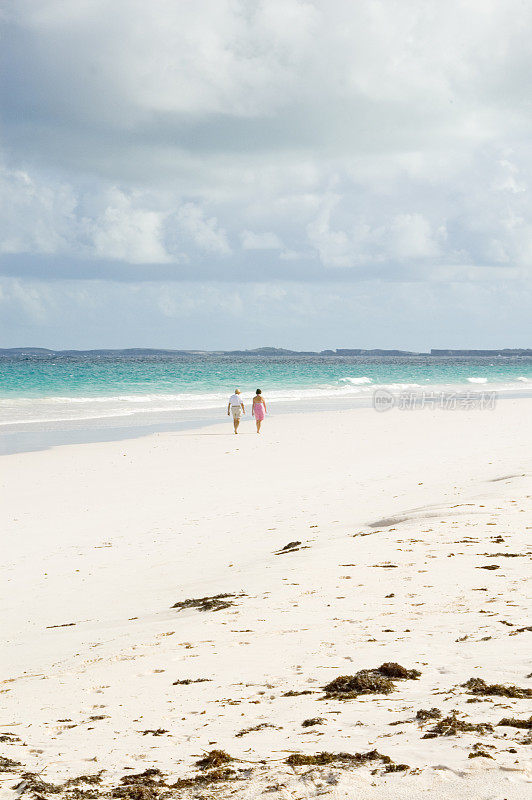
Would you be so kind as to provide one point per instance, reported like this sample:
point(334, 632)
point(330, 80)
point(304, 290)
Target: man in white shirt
point(236, 408)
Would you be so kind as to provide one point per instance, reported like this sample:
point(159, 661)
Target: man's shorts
point(236, 411)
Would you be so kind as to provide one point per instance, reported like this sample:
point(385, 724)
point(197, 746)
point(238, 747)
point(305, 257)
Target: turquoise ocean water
point(90, 391)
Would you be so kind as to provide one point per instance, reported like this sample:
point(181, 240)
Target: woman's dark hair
point(258, 391)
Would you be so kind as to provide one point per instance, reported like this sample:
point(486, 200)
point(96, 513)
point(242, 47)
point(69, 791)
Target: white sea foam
point(54, 410)
point(356, 381)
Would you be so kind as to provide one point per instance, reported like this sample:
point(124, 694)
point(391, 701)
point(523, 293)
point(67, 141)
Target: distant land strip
point(259, 351)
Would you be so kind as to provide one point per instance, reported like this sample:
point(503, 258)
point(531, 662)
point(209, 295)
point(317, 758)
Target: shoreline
point(396, 517)
point(33, 437)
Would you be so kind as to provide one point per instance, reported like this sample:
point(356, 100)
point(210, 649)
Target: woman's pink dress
point(258, 411)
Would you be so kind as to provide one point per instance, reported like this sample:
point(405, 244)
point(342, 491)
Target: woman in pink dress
point(258, 409)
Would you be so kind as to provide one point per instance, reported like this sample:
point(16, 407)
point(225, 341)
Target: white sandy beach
point(397, 515)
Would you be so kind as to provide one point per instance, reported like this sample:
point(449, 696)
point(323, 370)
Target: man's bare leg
point(236, 423)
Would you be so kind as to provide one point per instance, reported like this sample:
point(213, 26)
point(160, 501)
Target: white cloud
point(363, 241)
point(35, 216)
point(127, 233)
point(205, 232)
point(260, 241)
point(413, 237)
point(333, 246)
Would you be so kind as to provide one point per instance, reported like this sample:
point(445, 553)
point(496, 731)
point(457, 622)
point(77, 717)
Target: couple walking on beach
point(236, 408)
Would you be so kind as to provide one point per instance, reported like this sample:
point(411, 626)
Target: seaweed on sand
point(76, 787)
point(451, 725)
point(370, 681)
point(82, 794)
point(150, 785)
point(393, 670)
point(344, 759)
point(512, 722)
point(33, 783)
point(148, 776)
point(214, 758)
point(8, 765)
point(428, 713)
point(366, 681)
point(10, 738)
point(141, 786)
point(254, 729)
point(212, 776)
point(135, 791)
point(480, 687)
point(309, 723)
point(215, 603)
point(94, 779)
point(288, 548)
point(214, 769)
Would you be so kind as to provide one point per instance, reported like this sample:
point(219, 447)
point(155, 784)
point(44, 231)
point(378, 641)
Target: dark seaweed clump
point(10, 738)
point(214, 758)
point(392, 670)
point(8, 765)
point(212, 776)
point(369, 681)
point(428, 713)
point(347, 759)
point(480, 687)
point(188, 681)
point(288, 548)
point(254, 729)
point(215, 603)
point(512, 722)
point(366, 681)
point(451, 725)
point(214, 769)
point(140, 786)
point(140, 791)
point(150, 785)
point(93, 780)
point(33, 783)
point(479, 754)
point(308, 723)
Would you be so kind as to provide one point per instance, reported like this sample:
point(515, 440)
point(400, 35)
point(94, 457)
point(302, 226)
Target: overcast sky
point(231, 173)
